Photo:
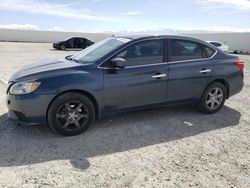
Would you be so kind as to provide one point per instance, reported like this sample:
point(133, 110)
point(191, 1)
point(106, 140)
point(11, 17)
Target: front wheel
point(62, 47)
point(70, 114)
point(213, 98)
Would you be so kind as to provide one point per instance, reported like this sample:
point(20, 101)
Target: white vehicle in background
point(223, 47)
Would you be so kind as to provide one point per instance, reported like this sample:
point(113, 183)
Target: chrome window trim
point(135, 66)
point(163, 63)
point(195, 59)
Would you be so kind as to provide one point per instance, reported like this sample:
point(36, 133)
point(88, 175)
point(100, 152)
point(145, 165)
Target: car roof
point(153, 36)
point(181, 37)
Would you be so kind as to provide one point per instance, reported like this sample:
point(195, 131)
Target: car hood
point(43, 69)
point(57, 42)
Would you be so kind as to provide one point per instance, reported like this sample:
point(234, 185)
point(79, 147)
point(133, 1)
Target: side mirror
point(118, 62)
point(68, 56)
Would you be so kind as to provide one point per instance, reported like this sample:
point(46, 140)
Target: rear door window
point(182, 50)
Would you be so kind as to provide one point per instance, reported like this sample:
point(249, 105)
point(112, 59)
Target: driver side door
point(142, 82)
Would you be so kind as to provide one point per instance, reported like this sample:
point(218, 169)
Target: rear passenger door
point(71, 43)
point(81, 43)
point(189, 69)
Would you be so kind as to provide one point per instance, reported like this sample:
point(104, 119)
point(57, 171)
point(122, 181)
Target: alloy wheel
point(214, 98)
point(72, 115)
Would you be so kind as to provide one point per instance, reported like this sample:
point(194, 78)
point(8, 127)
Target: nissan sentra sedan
point(121, 74)
point(73, 42)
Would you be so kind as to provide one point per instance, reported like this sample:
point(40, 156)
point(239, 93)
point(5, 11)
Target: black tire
point(62, 47)
point(207, 99)
point(70, 114)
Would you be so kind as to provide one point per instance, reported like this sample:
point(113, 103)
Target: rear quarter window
point(208, 52)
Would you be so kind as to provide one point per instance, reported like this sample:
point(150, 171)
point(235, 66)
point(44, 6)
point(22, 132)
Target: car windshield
point(99, 50)
point(67, 39)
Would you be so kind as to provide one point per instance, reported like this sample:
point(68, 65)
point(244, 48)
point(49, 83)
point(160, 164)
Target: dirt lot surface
point(167, 147)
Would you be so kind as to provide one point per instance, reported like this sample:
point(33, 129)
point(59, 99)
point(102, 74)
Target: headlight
point(24, 87)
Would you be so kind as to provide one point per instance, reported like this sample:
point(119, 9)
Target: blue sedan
point(121, 74)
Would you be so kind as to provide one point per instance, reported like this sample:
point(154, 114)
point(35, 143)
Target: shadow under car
point(25, 145)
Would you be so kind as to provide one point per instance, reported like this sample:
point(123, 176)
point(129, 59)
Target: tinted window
point(185, 50)
point(143, 53)
point(208, 52)
point(81, 40)
point(71, 40)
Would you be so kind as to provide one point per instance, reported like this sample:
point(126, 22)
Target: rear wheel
point(70, 114)
point(213, 98)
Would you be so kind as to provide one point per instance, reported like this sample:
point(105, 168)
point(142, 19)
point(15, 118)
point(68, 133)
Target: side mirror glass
point(118, 62)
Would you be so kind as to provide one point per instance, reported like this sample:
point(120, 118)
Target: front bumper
point(56, 46)
point(29, 108)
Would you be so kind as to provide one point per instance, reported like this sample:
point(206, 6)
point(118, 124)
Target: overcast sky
point(131, 15)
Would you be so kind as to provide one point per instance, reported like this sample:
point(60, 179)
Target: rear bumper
point(28, 109)
point(236, 84)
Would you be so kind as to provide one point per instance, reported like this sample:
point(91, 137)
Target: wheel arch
point(222, 81)
point(83, 92)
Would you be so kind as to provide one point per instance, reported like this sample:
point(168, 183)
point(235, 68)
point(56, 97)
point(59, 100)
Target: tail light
point(240, 64)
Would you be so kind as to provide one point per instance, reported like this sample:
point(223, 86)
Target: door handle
point(205, 71)
point(159, 75)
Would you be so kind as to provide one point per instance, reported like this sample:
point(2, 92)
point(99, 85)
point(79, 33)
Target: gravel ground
point(167, 147)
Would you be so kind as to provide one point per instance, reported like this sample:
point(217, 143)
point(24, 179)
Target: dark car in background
point(121, 74)
point(74, 42)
